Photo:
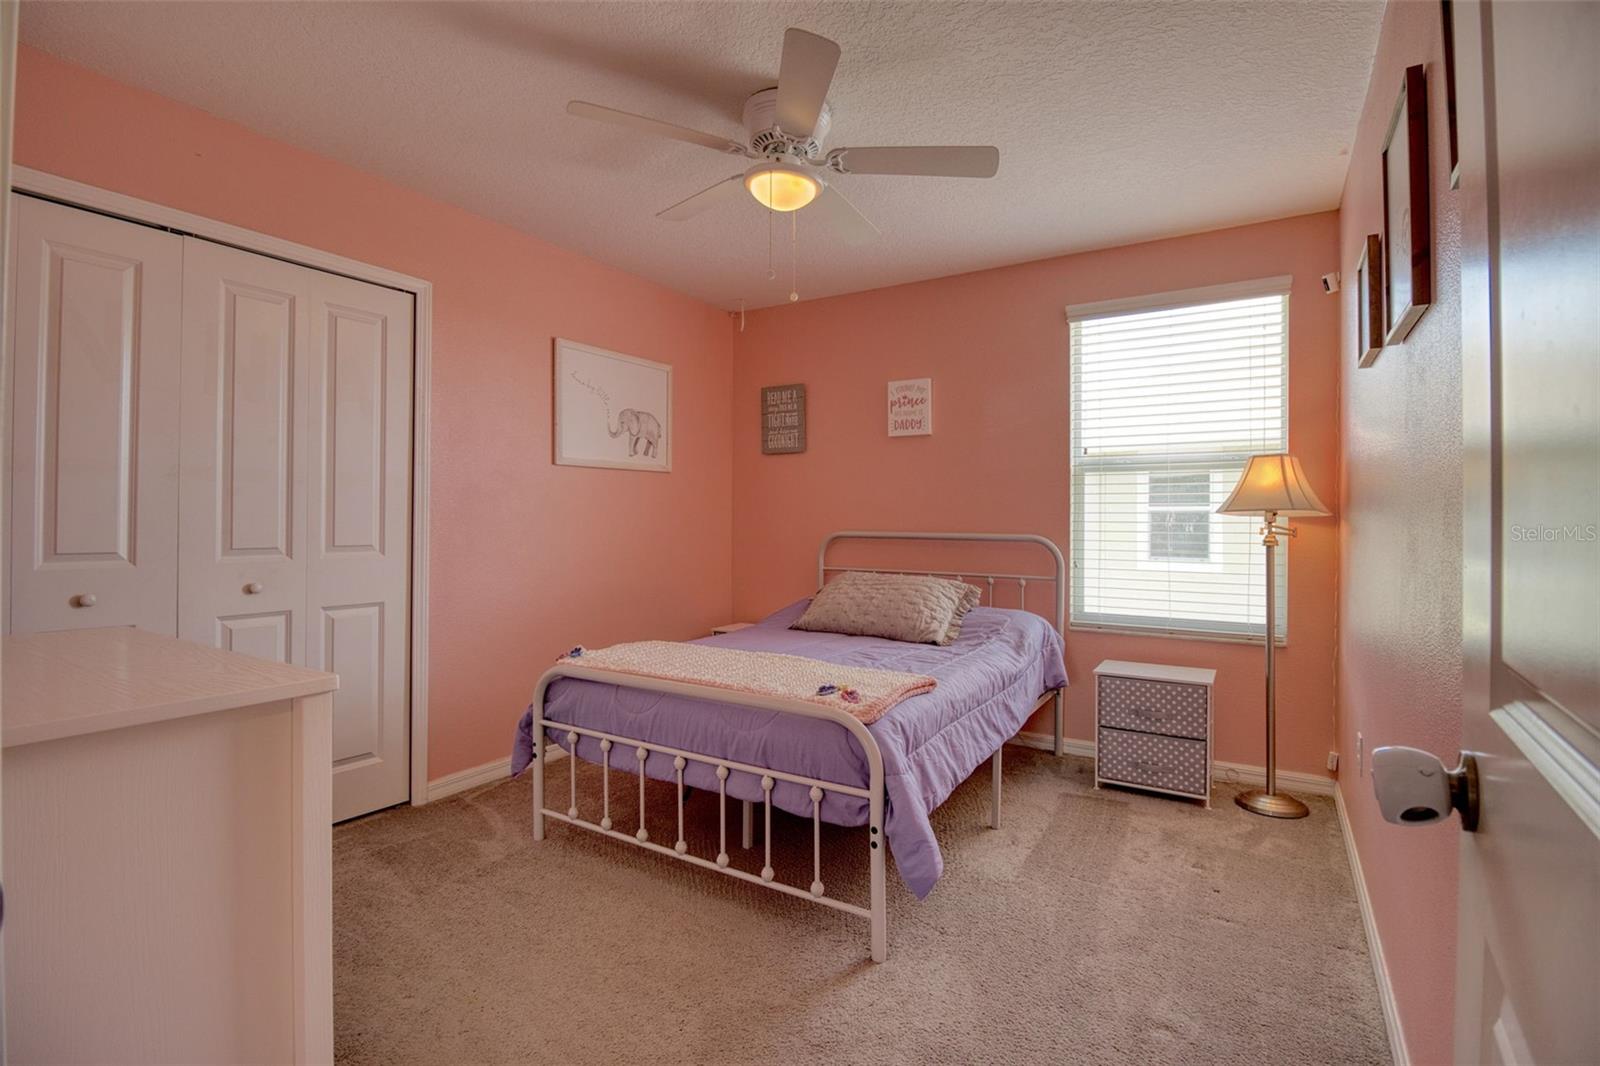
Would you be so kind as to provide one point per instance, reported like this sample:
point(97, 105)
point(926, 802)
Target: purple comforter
point(989, 681)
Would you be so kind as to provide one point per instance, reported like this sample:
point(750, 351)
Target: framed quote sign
point(783, 419)
point(911, 407)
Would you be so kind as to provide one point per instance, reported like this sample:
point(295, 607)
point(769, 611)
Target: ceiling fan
point(785, 127)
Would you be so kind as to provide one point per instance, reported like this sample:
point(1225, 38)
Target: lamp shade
point(1273, 483)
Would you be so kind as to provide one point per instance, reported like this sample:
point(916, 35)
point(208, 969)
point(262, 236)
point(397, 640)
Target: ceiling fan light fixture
point(781, 186)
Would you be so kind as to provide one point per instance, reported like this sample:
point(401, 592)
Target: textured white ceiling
point(1116, 121)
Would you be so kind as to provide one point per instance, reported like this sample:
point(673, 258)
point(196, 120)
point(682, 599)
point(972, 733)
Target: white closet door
point(94, 455)
point(242, 581)
point(358, 507)
point(296, 498)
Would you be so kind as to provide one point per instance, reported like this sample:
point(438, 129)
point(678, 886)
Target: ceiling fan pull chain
point(772, 272)
point(794, 256)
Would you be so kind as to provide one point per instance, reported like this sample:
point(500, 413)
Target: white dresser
point(1153, 728)
point(167, 852)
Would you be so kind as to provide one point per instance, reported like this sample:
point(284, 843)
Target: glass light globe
point(781, 186)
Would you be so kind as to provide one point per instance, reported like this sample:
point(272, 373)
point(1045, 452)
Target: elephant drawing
point(643, 430)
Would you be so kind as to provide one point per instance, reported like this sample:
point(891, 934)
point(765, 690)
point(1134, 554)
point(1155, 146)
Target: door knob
point(1415, 788)
point(83, 599)
point(252, 588)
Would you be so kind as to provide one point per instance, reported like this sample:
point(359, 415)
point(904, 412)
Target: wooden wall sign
point(783, 419)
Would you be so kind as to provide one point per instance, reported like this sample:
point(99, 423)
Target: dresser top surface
point(1181, 675)
point(73, 682)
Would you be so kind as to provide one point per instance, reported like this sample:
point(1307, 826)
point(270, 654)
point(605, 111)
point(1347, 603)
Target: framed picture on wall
point(911, 407)
point(1407, 220)
point(1369, 301)
point(612, 410)
point(1447, 19)
point(783, 419)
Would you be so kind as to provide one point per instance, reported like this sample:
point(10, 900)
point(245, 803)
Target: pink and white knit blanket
point(866, 693)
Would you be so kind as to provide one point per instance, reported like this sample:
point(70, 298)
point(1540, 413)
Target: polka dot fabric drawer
point(1176, 764)
point(1153, 706)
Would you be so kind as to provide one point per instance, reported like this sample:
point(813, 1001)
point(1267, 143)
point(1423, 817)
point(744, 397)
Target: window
point(1180, 516)
point(1170, 395)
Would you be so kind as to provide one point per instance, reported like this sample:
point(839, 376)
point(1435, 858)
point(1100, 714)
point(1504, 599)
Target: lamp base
point(1271, 804)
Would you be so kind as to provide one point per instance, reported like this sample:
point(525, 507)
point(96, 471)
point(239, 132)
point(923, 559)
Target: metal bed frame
point(642, 751)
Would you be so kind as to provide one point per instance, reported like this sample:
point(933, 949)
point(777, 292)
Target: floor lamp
point(1275, 487)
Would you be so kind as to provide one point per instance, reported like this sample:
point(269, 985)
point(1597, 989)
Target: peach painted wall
point(527, 558)
point(1400, 555)
point(995, 345)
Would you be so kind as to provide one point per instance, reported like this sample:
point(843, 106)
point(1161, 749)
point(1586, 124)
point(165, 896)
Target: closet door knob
point(252, 588)
point(83, 599)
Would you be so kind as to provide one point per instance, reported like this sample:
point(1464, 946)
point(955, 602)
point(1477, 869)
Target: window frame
point(1191, 629)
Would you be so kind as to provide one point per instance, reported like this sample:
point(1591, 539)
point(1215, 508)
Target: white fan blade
point(841, 216)
point(803, 79)
point(726, 189)
point(947, 161)
point(652, 125)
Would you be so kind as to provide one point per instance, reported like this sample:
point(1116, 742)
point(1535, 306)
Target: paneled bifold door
point(217, 445)
point(94, 475)
point(295, 503)
point(242, 515)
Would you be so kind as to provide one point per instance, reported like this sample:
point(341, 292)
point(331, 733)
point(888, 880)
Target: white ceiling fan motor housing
point(761, 123)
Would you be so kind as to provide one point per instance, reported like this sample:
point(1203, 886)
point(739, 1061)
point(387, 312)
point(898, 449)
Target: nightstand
point(731, 627)
point(1153, 728)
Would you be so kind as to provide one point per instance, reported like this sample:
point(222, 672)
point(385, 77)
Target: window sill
point(1176, 634)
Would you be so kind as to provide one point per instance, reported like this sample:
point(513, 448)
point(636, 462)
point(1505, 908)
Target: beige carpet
point(1093, 927)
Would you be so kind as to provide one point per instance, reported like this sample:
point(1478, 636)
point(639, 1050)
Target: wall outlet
point(1361, 755)
point(1333, 761)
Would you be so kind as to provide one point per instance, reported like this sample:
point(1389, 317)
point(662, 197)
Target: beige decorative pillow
point(970, 596)
point(912, 608)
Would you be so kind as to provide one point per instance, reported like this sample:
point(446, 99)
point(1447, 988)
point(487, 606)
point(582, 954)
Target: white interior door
point(242, 523)
point(1529, 951)
point(358, 509)
point(94, 463)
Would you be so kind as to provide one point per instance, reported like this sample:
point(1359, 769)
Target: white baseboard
point(487, 774)
point(471, 777)
point(1391, 1010)
point(1046, 742)
point(1234, 773)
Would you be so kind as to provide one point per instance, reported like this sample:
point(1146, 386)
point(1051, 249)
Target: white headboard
point(984, 580)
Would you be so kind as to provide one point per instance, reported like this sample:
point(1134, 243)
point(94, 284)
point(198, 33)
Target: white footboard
point(636, 754)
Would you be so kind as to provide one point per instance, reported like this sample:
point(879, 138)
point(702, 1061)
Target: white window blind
point(1170, 396)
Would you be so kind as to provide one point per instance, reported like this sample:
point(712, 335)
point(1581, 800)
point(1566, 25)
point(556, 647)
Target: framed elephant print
point(612, 410)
